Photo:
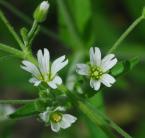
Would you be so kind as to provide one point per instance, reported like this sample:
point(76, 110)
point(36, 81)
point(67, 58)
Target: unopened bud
point(40, 13)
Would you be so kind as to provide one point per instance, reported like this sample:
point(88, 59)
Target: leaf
point(124, 67)
point(27, 110)
point(30, 109)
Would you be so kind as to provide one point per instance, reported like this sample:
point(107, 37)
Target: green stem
point(125, 34)
point(16, 101)
point(28, 20)
point(34, 27)
point(11, 30)
point(11, 50)
point(95, 118)
point(94, 114)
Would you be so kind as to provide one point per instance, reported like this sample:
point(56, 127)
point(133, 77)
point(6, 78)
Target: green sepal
point(24, 32)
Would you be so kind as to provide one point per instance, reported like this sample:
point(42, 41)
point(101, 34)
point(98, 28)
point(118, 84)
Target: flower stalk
point(17, 101)
point(126, 33)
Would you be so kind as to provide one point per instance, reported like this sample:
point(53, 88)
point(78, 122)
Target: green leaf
point(30, 109)
point(124, 67)
point(25, 111)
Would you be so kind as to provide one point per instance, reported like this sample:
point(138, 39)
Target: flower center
point(96, 73)
point(56, 117)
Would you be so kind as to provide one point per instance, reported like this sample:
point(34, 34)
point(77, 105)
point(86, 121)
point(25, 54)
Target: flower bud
point(40, 13)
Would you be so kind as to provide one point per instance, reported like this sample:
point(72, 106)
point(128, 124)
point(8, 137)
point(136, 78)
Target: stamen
point(56, 117)
point(96, 72)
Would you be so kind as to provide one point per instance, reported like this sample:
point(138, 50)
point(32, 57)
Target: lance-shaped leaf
point(30, 109)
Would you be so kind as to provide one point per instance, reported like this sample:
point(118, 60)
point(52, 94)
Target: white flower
point(5, 111)
point(98, 69)
point(57, 119)
point(45, 72)
point(44, 5)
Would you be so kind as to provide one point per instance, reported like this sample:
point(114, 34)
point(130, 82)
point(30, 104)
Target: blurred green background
point(72, 27)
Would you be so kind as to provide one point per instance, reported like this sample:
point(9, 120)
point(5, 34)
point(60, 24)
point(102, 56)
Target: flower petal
point(31, 68)
point(56, 81)
point(83, 69)
point(43, 61)
point(44, 116)
point(60, 108)
point(35, 81)
point(64, 124)
point(69, 118)
point(95, 56)
point(108, 80)
point(52, 85)
point(108, 62)
point(95, 84)
point(57, 65)
point(55, 127)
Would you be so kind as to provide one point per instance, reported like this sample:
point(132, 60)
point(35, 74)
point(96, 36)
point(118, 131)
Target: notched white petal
point(64, 124)
point(58, 64)
point(43, 61)
point(95, 84)
point(55, 82)
point(108, 62)
point(44, 116)
point(31, 68)
point(108, 80)
point(95, 56)
point(35, 81)
point(69, 118)
point(52, 85)
point(55, 127)
point(83, 69)
point(67, 121)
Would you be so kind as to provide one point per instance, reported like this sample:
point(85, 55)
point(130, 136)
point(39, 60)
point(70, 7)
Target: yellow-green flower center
point(45, 77)
point(56, 117)
point(96, 73)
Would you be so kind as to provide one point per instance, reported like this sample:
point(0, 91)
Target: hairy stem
point(11, 50)
point(34, 27)
point(16, 101)
point(28, 20)
point(11, 30)
point(126, 33)
point(101, 120)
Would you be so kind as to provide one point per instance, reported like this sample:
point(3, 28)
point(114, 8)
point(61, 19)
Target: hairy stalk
point(34, 27)
point(28, 20)
point(16, 101)
point(126, 33)
point(11, 50)
point(11, 30)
